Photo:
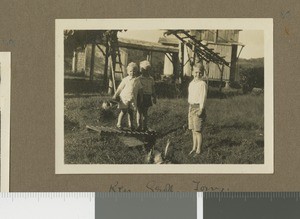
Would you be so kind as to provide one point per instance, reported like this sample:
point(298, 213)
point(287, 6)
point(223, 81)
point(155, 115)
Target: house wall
point(82, 61)
point(216, 40)
point(229, 51)
point(225, 36)
point(214, 71)
point(99, 60)
point(219, 36)
point(211, 68)
point(78, 61)
point(168, 66)
point(187, 69)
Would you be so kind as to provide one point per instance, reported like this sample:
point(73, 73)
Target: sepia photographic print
point(5, 119)
point(164, 96)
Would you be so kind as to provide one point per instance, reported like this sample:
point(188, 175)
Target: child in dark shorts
point(149, 95)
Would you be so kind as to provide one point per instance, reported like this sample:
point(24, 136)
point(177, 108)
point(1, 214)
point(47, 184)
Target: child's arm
point(202, 98)
point(120, 88)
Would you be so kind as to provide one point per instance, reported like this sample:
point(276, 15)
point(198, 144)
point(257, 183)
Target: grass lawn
point(233, 132)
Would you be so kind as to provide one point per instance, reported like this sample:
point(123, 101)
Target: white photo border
point(265, 24)
point(5, 59)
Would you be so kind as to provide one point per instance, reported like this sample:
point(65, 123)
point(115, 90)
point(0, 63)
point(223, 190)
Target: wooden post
point(74, 62)
point(105, 74)
point(181, 60)
point(149, 57)
point(227, 85)
point(113, 70)
point(221, 80)
point(175, 66)
point(92, 62)
point(112, 80)
point(194, 56)
point(84, 62)
point(216, 36)
point(207, 67)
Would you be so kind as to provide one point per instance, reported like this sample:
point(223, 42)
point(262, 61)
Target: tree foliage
point(79, 39)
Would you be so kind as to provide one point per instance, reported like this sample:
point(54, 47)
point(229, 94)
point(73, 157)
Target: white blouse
point(197, 93)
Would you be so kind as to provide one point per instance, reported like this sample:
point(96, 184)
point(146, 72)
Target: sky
point(252, 39)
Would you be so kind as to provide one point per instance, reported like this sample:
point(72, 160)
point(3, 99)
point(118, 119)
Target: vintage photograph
point(5, 120)
point(178, 96)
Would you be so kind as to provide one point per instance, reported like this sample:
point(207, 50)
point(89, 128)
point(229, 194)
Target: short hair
point(145, 65)
point(199, 68)
point(132, 65)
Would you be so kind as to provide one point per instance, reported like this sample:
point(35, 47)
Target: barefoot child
point(128, 92)
point(149, 95)
point(197, 98)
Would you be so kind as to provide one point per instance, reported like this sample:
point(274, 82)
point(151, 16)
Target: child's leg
point(120, 117)
point(198, 142)
point(194, 142)
point(130, 118)
point(145, 115)
point(139, 118)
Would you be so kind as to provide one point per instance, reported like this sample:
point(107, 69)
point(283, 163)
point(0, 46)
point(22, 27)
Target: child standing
point(149, 95)
point(128, 92)
point(197, 98)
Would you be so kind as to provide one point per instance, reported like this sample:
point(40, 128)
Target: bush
point(252, 77)
point(235, 85)
point(82, 86)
